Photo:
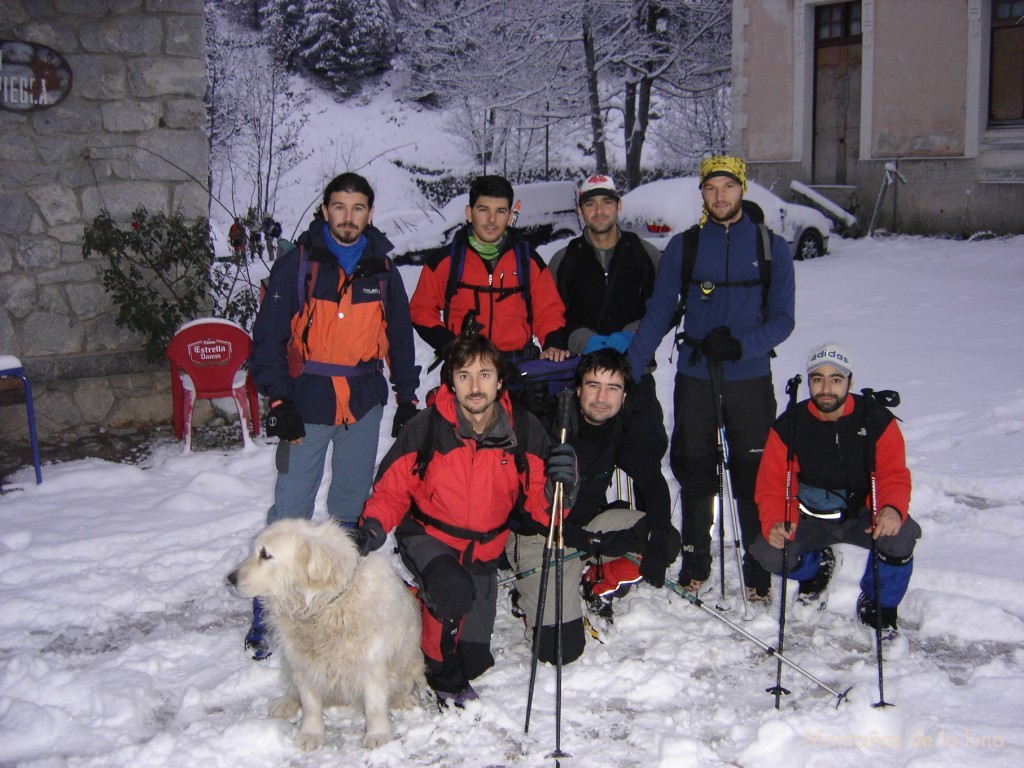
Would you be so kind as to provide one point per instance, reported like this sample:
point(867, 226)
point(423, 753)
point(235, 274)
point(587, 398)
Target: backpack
point(457, 254)
point(691, 238)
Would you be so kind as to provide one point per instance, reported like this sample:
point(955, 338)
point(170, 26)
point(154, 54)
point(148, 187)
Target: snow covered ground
point(121, 645)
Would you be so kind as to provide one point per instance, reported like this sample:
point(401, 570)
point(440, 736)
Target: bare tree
point(694, 127)
point(576, 62)
point(254, 119)
point(500, 66)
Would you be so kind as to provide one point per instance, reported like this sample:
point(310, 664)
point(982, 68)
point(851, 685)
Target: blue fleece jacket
point(724, 254)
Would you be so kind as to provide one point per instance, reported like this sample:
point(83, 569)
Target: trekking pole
point(791, 389)
point(555, 540)
point(878, 592)
point(719, 517)
point(726, 498)
point(565, 400)
point(556, 512)
point(678, 589)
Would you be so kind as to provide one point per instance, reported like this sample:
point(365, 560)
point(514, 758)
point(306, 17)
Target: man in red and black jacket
point(837, 437)
point(487, 256)
point(447, 487)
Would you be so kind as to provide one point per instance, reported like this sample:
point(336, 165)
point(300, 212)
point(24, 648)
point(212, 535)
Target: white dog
point(347, 627)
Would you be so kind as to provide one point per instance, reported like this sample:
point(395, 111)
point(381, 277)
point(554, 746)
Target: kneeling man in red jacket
point(447, 487)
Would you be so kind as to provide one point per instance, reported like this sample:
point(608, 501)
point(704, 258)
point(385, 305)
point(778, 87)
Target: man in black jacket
point(605, 275)
point(604, 532)
point(604, 278)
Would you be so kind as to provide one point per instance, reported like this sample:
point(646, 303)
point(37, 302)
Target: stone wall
point(130, 132)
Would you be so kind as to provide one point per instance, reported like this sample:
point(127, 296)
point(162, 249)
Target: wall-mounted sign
point(32, 76)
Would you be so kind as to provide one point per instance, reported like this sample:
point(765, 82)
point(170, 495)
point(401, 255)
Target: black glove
point(284, 421)
point(405, 412)
point(607, 543)
point(369, 536)
point(561, 468)
point(719, 346)
point(471, 327)
point(660, 552)
point(580, 538)
point(447, 589)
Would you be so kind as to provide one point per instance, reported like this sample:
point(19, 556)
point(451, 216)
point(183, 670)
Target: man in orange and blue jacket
point(335, 313)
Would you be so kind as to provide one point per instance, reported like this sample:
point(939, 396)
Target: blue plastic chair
point(10, 367)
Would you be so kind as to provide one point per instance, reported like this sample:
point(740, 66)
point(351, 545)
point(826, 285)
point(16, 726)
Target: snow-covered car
point(547, 212)
point(661, 209)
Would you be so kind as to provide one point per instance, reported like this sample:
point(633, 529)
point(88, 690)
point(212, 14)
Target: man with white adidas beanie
point(837, 437)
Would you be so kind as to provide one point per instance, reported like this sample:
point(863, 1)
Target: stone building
point(828, 93)
point(122, 124)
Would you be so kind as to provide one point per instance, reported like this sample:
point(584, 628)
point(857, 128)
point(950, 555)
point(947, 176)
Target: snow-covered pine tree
point(340, 41)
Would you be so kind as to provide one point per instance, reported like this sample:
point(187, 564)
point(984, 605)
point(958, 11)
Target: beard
point(728, 216)
point(476, 404)
point(829, 403)
point(346, 233)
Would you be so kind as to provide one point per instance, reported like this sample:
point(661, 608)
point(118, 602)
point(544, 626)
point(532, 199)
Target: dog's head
point(295, 561)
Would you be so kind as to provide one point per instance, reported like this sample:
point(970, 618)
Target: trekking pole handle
point(564, 414)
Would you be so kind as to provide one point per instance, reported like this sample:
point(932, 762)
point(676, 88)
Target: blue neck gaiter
point(347, 255)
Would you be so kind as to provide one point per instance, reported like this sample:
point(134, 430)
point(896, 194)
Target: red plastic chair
point(206, 362)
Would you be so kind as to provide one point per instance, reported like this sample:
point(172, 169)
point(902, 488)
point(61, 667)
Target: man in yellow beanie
point(739, 305)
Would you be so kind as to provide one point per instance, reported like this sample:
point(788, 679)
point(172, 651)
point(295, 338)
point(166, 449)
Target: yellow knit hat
point(722, 165)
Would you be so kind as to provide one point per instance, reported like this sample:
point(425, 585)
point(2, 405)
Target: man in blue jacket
point(335, 312)
point(738, 307)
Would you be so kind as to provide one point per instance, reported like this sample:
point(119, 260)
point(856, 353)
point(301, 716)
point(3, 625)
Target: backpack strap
point(519, 418)
point(479, 537)
point(306, 279)
point(523, 264)
point(691, 240)
point(306, 284)
point(426, 450)
point(457, 263)
point(764, 264)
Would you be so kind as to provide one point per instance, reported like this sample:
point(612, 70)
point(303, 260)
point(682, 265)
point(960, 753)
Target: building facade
point(832, 93)
point(101, 107)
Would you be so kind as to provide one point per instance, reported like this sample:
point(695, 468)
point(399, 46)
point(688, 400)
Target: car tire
point(809, 246)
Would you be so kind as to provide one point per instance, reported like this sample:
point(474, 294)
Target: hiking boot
point(457, 699)
point(756, 598)
point(600, 606)
point(867, 614)
point(515, 608)
point(813, 591)
point(599, 590)
point(257, 638)
point(693, 586)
